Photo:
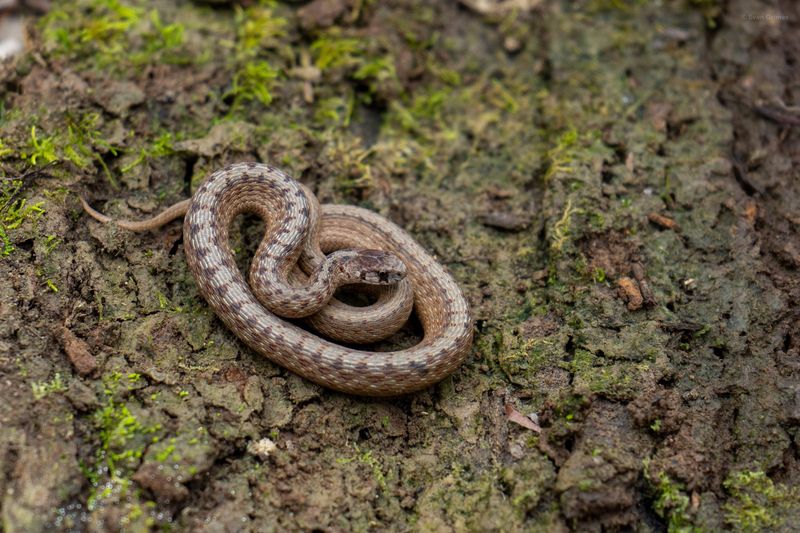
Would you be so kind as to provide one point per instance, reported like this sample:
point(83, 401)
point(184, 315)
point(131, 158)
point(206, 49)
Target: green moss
point(521, 359)
point(424, 111)
point(122, 439)
point(333, 51)
point(85, 142)
point(41, 389)
point(625, 6)
point(364, 61)
point(561, 155)
point(561, 229)
point(599, 275)
point(335, 111)
point(448, 76)
point(112, 34)
point(14, 211)
point(50, 243)
point(160, 42)
point(161, 146)
point(164, 454)
point(568, 413)
point(758, 504)
point(346, 157)
point(252, 81)
point(258, 29)
point(598, 375)
point(41, 150)
point(671, 501)
point(99, 32)
point(366, 458)
point(5, 150)
point(82, 144)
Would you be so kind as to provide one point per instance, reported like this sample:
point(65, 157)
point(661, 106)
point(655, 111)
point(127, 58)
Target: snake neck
point(286, 296)
point(298, 299)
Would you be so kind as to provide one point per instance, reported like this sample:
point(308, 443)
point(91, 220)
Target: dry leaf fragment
point(78, 352)
point(518, 418)
point(629, 291)
point(663, 221)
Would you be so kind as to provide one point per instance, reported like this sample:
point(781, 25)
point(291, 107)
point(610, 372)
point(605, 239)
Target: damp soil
point(613, 184)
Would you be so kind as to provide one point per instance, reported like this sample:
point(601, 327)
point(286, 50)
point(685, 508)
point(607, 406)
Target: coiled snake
point(291, 277)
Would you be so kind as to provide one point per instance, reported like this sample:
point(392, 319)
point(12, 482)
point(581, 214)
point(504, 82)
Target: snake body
point(391, 257)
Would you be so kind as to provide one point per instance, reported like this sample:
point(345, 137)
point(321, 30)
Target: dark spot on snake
point(224, 289)
point(236, 307)
point(419, 368)
point(194, 227)
point(252, 165)
point(304, 212)
point(338, 364)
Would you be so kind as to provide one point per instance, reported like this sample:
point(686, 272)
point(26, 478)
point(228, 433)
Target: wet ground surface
point(614, 185)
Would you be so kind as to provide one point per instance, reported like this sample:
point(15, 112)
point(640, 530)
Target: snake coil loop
point(290, 276)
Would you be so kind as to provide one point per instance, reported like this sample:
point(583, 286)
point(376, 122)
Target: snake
point(293, 280)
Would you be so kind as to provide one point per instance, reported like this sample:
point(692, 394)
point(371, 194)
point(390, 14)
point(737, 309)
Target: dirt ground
point(614, 184)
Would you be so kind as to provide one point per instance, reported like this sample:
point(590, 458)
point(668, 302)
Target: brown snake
point(277, 286)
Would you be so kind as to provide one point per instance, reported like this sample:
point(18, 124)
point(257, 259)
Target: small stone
point(320, 13)
point(261, 448)
point(161, 482)
point(81, 396)
point(505, 221)
point(301, 390)
point(516, 451)
point(512, 44)
point(118, 97)
point(721, 166)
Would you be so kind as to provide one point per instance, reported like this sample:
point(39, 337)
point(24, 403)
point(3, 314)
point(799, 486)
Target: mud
point(613, 184)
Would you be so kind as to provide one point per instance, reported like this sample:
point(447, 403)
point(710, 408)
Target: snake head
point(374, 267)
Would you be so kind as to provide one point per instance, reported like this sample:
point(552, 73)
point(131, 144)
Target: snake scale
point(291, 278)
